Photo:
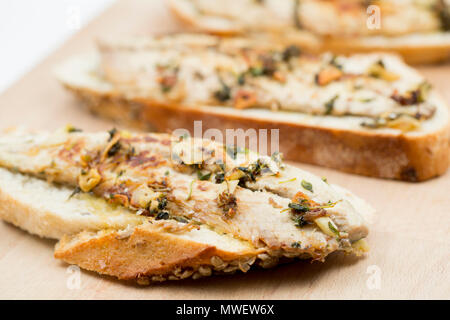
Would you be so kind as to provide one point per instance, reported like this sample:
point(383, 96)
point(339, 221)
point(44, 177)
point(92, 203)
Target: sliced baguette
point(337, 142)
point(110, 239)
point(148, 253)
point(49, 211)
point(415, 48)
point(114, 241)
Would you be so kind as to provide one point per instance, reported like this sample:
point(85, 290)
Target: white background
point(31, 29)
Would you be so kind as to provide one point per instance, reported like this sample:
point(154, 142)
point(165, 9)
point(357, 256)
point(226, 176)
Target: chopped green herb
point(333, 228)
point(298, 207)
point(233, 151)
point(307, 185)
point(300, 221)
point(296, 244)
point(71, 129)
point(256, 71)
point(114, 149)
point(423, 90)
point(228, 202)
point(131, 152)
point(203, 176)
point(325, 206)
point(324, 180)
point(221, 165)
point(291, 52)
point(443, 10)
point(224, 93)
point(190, 190)
point(162, 203)
point(334, 63)
point(329, 106)
point(380, 63)
point(220, 177)
point(180, 219)
point(241, 79)
point(76, 191)
point(163, 215)
point(112, 133)
point(167, 173)
point(183, 137)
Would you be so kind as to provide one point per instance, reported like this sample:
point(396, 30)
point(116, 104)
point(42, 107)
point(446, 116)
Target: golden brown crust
point(367, 153)
point(145, 253)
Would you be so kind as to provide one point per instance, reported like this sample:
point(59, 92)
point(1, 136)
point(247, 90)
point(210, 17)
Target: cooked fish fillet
point(258, 199)
point(190, 70)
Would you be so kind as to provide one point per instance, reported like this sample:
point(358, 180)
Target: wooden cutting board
point(410, 237)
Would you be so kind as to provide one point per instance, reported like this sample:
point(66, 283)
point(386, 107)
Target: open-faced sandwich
point(156, 207)
point(368, 114)
point(419, 30)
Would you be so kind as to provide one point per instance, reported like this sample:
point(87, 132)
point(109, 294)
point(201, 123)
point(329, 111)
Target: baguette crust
point(403, 157)
point(149, 255)
point(419, 52)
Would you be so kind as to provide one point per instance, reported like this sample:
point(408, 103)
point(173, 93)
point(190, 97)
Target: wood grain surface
point(410, 236)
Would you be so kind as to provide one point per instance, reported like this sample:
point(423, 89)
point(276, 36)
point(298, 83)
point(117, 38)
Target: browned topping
point(245, 99)
point(268, 64)
point(290, 52)
point(415, 96)
point(300, 196)
point(70, 149)
point(227, 202)
point(167, 82)
point(305, 210)
point(113, 145)
point(141, 159)
point(120, 199)
point(274, 204)
point(328, 75)
point(89, 179)
point(168, 77)
point(410, 98)
point(277, 75)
